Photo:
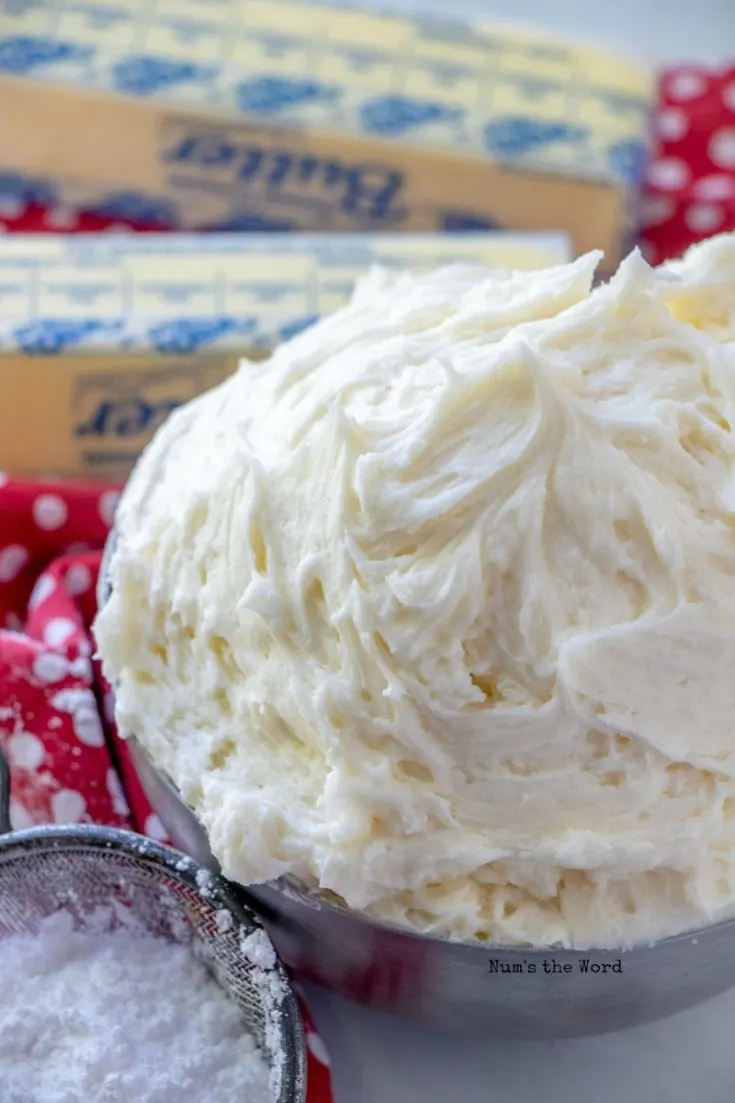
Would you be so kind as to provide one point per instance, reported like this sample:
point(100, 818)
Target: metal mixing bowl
point(468, 987)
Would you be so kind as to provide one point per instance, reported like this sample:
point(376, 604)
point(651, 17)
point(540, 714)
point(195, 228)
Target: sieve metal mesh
point(110, 879)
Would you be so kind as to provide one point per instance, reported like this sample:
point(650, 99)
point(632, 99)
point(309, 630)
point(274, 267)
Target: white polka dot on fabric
point(68, 806)
point(50, 667)
point(154, 829)
point(87, 726)
point(62, 218)
point(13, 559)
point(25, 750)
point(49, 512)
point(81, 667)
point(20, 817)
point(672, 124)
point(712, 189)
point(686, 85)
point(108, 706)
point(656, 209)
point(58, 630)
point(69, 700)
point(669, 174)
point(317, 1048)
point(120, 805)
point(721, 147)
point(78, 579)
point(108, 505)
point(77, 548)
point(42, 591)
point(704, 218)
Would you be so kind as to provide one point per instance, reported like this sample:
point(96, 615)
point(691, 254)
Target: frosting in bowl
point(435, 609)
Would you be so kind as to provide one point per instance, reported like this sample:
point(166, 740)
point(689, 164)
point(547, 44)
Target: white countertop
point(691, 1057)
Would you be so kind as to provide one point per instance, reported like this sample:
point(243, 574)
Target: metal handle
point(5, 825)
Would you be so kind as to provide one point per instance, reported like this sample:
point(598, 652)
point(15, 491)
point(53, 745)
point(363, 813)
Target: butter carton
point(102, 336)
point(278, 115)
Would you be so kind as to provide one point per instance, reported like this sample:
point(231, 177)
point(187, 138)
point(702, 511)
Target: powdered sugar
point(258, 949)
point(204, 882)
point(225, 921)
point(120, 1018)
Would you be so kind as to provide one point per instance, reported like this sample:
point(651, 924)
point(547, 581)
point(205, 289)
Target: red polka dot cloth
point(17, 216)
point(690, 193)
point(67, 763)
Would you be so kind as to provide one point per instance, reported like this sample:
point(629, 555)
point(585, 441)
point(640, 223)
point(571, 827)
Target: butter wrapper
point(102, 336)
point(272, 115)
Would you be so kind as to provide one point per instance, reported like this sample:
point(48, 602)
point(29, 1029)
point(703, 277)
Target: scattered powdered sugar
point(121, 1018)
point(258, 949)
point(205, 882)
point(225, 921)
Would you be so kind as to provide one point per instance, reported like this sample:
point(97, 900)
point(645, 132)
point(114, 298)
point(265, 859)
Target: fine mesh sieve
point(108, 878)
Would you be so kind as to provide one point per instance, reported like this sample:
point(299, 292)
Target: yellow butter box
point(278, 115)
point(101, 336)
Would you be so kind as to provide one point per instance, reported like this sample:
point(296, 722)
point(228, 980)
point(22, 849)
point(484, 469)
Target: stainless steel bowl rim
point(313, 899)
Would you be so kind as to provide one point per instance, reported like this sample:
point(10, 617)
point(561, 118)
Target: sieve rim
point(220, 894)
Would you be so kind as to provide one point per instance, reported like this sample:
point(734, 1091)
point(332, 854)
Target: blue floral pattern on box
point(186, 335)
point(516, 134)
point(144, 76)
point(296, 326)
point(395, 115)
point(132, 207)
point(628, 160)
point(21, 54)
point(254, 223)
point(272, 95)
point(53, 335)
point(24, 189)
point(459, 220)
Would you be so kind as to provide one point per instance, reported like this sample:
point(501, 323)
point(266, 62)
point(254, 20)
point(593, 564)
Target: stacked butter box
point(273, 115)
point(101, 336)
point(270, 116)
